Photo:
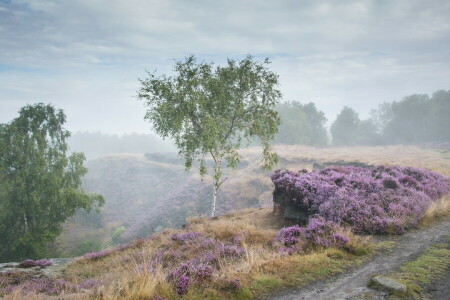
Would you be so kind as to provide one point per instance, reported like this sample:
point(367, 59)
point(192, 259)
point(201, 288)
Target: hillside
point(249, 254)
point(145, 193)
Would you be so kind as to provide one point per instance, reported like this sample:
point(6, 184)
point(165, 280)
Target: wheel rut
point(353, 283)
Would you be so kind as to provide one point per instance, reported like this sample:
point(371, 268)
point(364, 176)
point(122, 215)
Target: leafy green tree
point(88, 246)
point(116, 237)
point(40, 185)
point(367, 133)
point(415, 119)
point(344, 128)
point(209, 110)
point(439, 116)
point(301, 124)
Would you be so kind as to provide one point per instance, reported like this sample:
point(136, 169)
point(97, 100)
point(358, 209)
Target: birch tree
point(209, 111)
point(40, 183)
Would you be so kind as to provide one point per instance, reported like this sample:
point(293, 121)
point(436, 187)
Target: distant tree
point(344, 130)
point(409, 122)
point(40, 186)
point(367, 133)
point(439, 116)
point(415, 119)
point(116, 237)
point(207, 111)
point(301, 124)
point(88, 246)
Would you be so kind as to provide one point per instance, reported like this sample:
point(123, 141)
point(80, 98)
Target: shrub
point(29, 263)
point(372, 200)
point(98, 255)
point(318, 233)
point(88, 246)
point(29, 283)
point(182, 284)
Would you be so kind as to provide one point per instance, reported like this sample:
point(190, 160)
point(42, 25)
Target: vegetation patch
point(420, 273)
point(215, 259)
point(375, 200)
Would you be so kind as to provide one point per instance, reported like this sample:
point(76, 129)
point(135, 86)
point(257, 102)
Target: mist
point(150, 146)
point(86, 57)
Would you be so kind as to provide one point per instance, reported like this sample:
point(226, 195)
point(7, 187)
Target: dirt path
point(352, 285)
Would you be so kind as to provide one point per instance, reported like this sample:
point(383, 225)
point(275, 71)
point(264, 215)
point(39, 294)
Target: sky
point(86, 56)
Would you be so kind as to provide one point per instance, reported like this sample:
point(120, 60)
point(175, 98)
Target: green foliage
point(40, 185)
point(349, 130)
point(209, 110)
point(116, 238)
point(415, 119)
point(344, 128)
point(420, 273)
point(90, 219)
point(88, 246)
point(301, 124)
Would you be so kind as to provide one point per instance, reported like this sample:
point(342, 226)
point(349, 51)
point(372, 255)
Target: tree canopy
point(301, 124)
point(415, 119)
point(40, 184)
point(344, 128)
point(208, 111)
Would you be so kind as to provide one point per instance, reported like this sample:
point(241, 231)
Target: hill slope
point(145, 193)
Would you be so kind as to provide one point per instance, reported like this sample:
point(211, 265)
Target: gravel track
point(353, 284)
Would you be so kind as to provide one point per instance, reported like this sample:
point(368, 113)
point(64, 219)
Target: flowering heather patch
point(29, 283)
point(289, 236)
point(98, 255)
point(185, 237)
point(372, 200)
point(322, 233)
point(318, 233)
point(182, 284)
point(29, 263)
point(191, 258)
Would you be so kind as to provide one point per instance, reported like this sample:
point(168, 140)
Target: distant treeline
point(416, 119)
point(96, 144)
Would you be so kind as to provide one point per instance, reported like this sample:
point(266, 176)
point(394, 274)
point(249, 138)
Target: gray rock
point(387, 284)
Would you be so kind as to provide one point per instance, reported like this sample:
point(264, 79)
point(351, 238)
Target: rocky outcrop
point(286, 210)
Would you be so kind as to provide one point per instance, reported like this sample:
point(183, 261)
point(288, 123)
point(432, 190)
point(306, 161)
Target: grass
point(261, 271)
point(438, 210)
point(421, 272)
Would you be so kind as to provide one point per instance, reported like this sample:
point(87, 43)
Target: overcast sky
point(86, 56)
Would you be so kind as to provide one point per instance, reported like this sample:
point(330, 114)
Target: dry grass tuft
point(437, 210)
point(137, 285)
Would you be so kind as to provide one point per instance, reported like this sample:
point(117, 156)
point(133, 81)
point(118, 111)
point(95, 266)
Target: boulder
point(387, 284)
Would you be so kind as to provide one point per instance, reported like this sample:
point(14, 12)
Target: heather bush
point(319, 233)
point(191, 258)
point(26, 283)
point(322, 233)
point(98, 255)
point(182, 284)
point(29, 263)
point(371, 200)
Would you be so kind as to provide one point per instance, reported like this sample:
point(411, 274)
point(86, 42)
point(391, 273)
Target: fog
point(86, 56)
point(351, 73)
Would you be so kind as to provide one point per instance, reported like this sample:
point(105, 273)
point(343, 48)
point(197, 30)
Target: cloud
point(336, 53)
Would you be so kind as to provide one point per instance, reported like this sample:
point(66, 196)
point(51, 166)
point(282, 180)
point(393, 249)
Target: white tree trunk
point(216, 184)
point(213, 212)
